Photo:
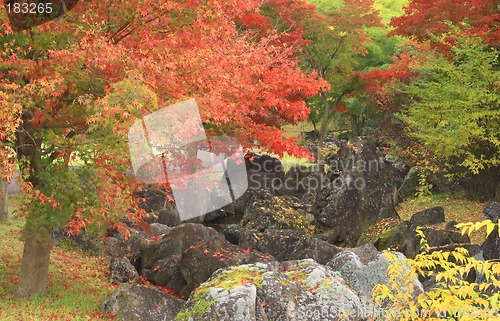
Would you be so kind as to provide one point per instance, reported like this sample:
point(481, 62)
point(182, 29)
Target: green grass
point(77, 281)
point(297, 130)
point(456, 208)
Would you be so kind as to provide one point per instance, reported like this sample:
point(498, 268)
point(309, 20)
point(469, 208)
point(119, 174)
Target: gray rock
point(232, 233)
point(491, 211)
point(310, 247)
point(263, 172)
point(292, 183)
point(133, 302)
point(166, 216)
point(188, 256)
point(158, 229)
point(234, 304)
point(266, 211)
point(362, 194)
point(410, 183)
point(386, 234)
point(363, 276)
point(427, 217)
point(279, 243)
point(151, 199)
point(287, 245)
point(122, 271)
point(491, 246)
point(438, 239)
point(119, 247)
point(299, 290)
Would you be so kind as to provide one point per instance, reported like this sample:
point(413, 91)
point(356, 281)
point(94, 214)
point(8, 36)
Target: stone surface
point(299, 290)
point(279, 243)
point(362, 194)
point(430, 216)
point(158, 229)
point(491, 211)
point(438, 238)
point(291, 184)
point(363, 276)
point(119, 247)
point(309, 247)
point(410, 183)
point(232, 233)
point(491, 246)
point(133, 302)
point(385, 234)
point(288, 244)
point(166, 216)
point(151, 199)
point(263, 172)
point(188, 256)
point(122, 271)
point(266, 211)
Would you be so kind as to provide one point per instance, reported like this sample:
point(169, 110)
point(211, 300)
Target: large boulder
point(410, 183)
point(363, 276)
point(287, 245)
point(188, 256)
point(438, 238)
point(299, 290)
point(168, 216)
point(133, 302)
point(388, 233)
point(293, 181)
point(491, 211)
point(263, 172)
point(310, 247)
point(129, 247)
point(266, 211)
point(430, 216)
point(122, 271)
point(491, 246)
point(277, 242)
point(362, 194)
point(151, 199)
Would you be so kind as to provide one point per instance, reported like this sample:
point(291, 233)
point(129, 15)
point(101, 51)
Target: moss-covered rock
point(297, 290)
point(386, 234)
point(267, 211)
point(133, 302)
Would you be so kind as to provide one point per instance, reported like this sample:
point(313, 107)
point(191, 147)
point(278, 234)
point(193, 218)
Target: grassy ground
point(297, 130)
point(77, 282)
point(456, 208)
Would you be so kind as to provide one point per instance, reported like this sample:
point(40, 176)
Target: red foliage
point(472, 17)
point(377, 82)
point(246, 87)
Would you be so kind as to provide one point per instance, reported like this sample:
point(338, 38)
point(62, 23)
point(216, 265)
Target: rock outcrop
point(363, 193)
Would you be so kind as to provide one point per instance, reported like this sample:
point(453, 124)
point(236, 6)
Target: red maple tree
point(424, 18)
point(83, 81)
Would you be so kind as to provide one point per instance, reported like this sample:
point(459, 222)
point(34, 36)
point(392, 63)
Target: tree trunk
point(4, 210)
point(322, 132)
point(34, 272)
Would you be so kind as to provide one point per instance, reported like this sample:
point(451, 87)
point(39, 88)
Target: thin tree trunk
point(34, 272)
point(4, 210)
point(322, 132)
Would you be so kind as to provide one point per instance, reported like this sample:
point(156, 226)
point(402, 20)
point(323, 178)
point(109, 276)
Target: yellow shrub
point(454, 297)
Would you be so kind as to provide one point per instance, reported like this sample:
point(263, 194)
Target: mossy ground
point(456, 208)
